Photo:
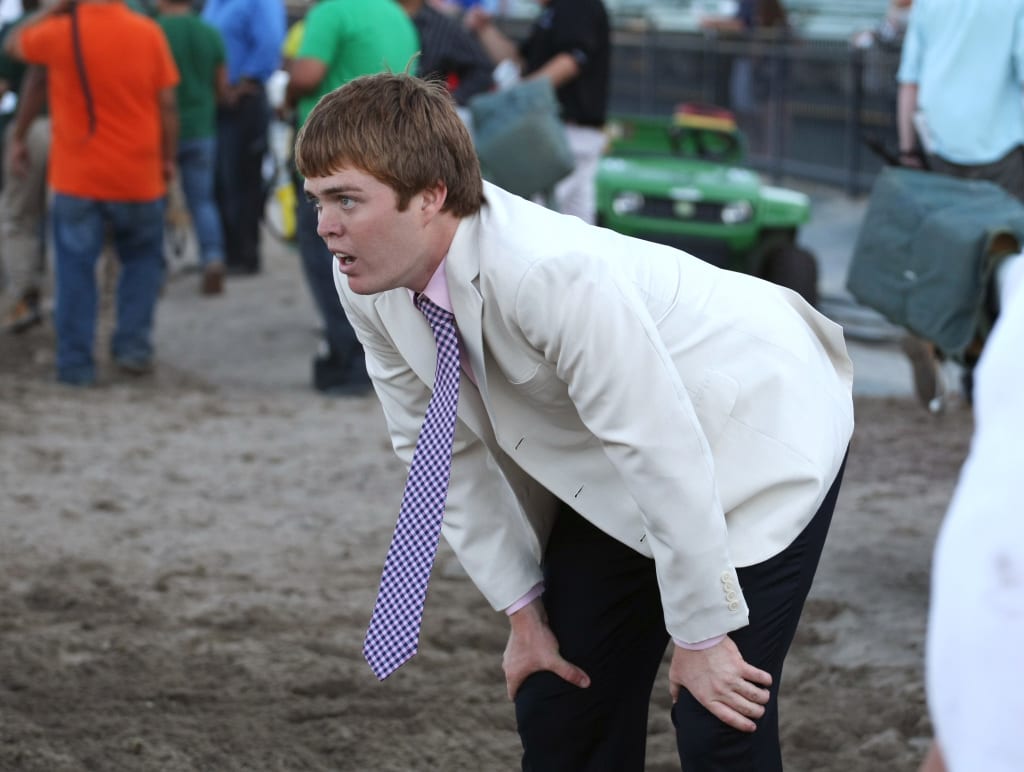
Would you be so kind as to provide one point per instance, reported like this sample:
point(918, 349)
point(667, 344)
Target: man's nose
point(325, 224)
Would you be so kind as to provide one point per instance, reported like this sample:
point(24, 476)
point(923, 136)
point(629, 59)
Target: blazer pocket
point(713, 403)
point(544, 388)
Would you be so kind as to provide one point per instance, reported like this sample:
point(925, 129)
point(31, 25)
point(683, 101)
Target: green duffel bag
point(926, 250)
point(520, 139)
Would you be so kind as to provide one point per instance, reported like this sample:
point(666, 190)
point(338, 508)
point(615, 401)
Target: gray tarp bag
point(924, 255)
point(520, 139)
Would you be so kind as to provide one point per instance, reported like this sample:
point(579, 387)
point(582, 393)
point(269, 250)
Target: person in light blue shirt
point(960, 92)
point(253, 31)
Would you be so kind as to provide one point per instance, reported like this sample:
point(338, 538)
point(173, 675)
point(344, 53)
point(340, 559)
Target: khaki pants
point(22, 215)
point(1007, 172)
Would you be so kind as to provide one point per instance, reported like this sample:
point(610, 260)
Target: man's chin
point(360, 288)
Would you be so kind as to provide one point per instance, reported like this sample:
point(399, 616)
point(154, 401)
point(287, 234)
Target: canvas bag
point(923, 254)
point(520, 139)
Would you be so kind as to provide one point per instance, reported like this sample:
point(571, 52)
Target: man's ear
point(433, 199)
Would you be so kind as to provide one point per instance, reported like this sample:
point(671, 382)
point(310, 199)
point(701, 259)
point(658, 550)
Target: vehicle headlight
point(736, 212)
point(627, 202)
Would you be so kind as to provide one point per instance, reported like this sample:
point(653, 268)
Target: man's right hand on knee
point(532, 647)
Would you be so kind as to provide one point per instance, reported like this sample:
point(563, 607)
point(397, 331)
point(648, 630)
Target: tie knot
point(436, 315)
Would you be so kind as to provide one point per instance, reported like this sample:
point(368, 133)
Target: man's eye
point(346, 202)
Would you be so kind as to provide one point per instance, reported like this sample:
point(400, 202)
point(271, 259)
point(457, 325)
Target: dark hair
point(771, 15)
point(400, 129)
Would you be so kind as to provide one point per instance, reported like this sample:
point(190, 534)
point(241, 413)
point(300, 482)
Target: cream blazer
point(697, 415)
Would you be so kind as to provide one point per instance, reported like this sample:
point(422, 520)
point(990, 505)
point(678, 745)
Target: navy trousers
point(604, 608)
point(240, 191)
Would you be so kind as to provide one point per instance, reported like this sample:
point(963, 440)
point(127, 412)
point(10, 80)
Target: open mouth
point(344, 259)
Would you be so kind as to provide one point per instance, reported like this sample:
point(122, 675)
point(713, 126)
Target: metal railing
point(804, 105)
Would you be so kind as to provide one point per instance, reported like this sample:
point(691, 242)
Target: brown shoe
point(25, 315)
point(213, 279)
point(929, 385)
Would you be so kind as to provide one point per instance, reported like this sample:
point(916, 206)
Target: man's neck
point(440, 243)
point(175, 9)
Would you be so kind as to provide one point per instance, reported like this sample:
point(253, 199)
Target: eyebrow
point(338, 190)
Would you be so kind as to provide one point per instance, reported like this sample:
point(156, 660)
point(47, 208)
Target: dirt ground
point(188, 563)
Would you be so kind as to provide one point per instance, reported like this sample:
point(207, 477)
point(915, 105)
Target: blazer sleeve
point(594, 329)
point(483, 522)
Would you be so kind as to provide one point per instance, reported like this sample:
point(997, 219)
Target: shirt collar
point(437, 288)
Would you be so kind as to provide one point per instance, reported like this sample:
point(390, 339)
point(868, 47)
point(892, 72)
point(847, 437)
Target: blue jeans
point(79, 229)
point(197, 165)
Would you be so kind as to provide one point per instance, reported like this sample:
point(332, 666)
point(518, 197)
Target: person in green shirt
point(199, 53)
point(341, 40)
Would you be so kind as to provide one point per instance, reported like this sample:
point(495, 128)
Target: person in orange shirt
point(111, 80)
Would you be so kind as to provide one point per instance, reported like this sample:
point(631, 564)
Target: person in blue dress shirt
point(253, 31)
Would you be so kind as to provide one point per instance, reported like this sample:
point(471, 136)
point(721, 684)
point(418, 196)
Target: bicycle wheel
point(278, 190)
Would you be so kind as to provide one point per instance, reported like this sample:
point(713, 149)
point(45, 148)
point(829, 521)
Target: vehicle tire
point(791, 266)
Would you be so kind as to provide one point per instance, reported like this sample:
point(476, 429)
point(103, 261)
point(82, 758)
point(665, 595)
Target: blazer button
point(734, 606)
point(730, 596)
point(726, 577)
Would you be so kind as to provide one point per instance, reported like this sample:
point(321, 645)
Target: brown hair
point(400, 129)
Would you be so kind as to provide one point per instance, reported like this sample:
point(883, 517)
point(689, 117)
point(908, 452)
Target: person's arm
point(559, 69)
point(532, 647)
point(168, 131)
point(909, 76)
point(220, 84)
point(722, 24)
point(906, 106)
point(934, 762)
point(305, 77)
point(660, 450)
point(498, 46)
point(722, 681)
point(320, 33)
point(31, 100)
point(484, 522)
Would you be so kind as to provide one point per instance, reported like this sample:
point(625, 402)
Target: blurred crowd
point(103, 139)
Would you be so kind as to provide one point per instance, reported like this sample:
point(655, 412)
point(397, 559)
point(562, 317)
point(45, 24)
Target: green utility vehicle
point(680, 181)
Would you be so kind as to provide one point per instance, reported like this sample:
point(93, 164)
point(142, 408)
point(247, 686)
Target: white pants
point(577, 193)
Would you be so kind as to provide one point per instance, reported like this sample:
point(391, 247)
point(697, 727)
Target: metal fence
point(805, 106)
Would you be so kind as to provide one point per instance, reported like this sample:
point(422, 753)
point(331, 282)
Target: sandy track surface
point(189, 560)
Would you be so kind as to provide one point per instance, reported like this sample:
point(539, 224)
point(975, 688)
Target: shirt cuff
point(700, 645)
point(532, 594)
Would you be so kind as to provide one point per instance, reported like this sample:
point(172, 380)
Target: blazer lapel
point(463, 273)
point(412, 337)
point(409, 330)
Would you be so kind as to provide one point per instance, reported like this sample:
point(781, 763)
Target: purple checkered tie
point(395, 625)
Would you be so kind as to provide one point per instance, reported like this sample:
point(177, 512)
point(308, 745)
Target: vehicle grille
point(711, 251)
point(665, 209)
